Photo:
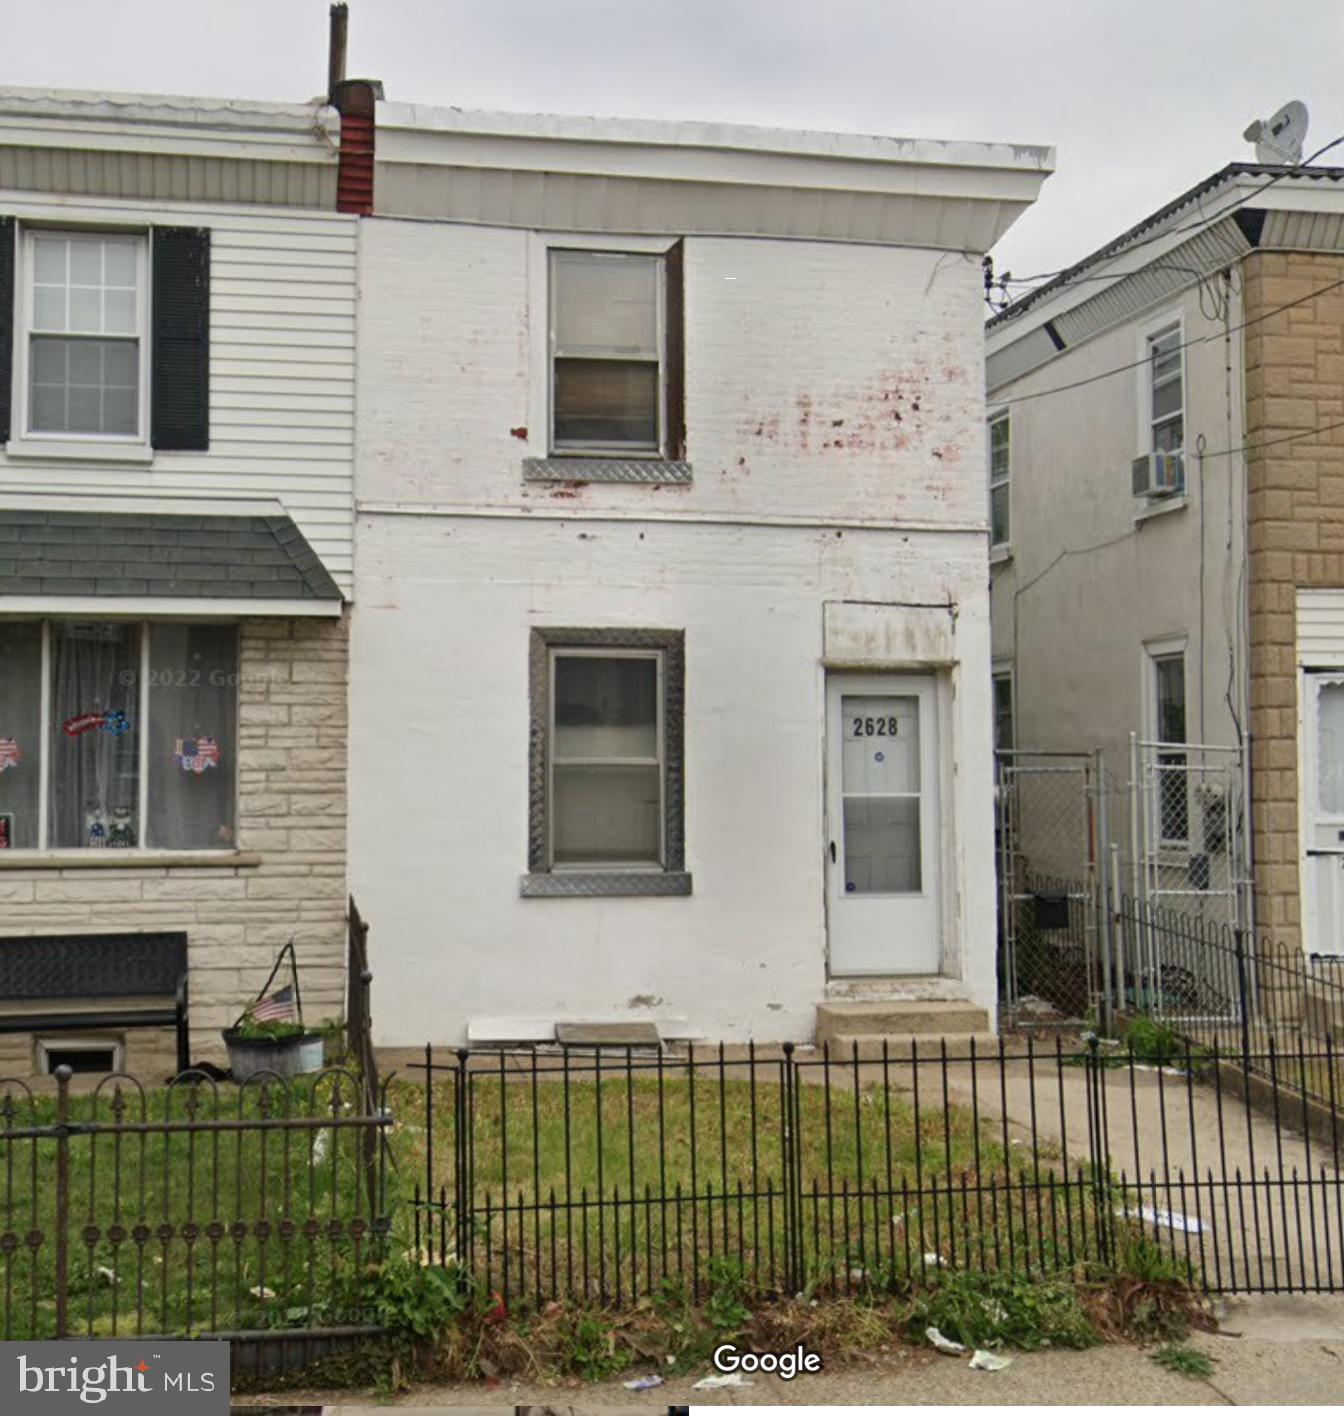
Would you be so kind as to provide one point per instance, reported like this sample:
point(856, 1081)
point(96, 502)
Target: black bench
point(47, 967)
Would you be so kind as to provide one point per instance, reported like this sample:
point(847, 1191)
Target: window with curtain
point(20, 733)
point(193, 709)
point(138, 747)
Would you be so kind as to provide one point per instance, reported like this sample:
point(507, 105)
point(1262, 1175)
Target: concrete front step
point(902, 1046)
point(903, 1018)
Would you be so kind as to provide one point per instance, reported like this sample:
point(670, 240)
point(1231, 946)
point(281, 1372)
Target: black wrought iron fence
point(609, 1175)
point(1240, 994)
point(196, 1209)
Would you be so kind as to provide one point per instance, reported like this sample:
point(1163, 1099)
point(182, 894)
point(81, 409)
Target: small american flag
point(10, 756)
point(277, 1007)
point(196, 754)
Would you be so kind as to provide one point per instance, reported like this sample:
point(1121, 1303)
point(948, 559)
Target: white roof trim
point(735, 137)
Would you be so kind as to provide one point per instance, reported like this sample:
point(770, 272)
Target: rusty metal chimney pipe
point(340, 26)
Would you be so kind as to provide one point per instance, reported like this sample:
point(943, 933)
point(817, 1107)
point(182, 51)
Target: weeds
point(1188, 1361)
point(1004, 1310)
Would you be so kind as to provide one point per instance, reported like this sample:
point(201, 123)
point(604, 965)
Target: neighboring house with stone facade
point(670, 706)
point(1166, 425)
point(177, 301)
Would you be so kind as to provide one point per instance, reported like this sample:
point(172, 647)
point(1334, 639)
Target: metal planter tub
point(283, 1056)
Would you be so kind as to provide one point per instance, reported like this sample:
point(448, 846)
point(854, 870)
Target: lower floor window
point(117, 735)
point(606, 751)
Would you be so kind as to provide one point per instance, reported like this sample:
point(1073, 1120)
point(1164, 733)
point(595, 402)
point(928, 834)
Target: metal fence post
point(62, 1214)
point(1243, 1000)
point(793, 1254)
point(463, 1180)
point(1097, 1150)
point(1099, 868)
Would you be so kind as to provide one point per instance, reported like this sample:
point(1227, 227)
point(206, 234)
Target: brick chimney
point(354, 100)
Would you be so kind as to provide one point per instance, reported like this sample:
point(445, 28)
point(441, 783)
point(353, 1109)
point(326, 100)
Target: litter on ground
point(729, 1379)
point(988, 1361)
point(944, 1344)
point(643, 1383)
point(1169, 1219)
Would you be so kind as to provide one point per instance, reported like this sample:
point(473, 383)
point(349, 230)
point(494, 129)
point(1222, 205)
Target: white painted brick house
point(177, 301)
point(670, 673)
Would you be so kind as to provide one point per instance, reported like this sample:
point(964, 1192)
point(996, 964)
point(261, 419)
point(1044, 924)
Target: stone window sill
point(1160, 506)
point(1001, 554)
point(582, 884)
point(646, 470)
point(126, 860)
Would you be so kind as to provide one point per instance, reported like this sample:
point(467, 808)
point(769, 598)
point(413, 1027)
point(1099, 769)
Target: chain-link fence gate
point(1050, 831)
point(1187, 822)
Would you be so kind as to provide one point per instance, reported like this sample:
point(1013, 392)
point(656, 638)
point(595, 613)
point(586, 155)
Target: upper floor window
point(106, 340)
point(1000, 470)
point(608, 353)
point(1166, 390)
point(84, 335)
point(117, 735)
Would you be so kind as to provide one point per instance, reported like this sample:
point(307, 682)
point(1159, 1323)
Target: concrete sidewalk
point(1272, 1350)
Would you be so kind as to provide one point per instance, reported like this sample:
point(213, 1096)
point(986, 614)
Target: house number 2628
point(875, 727)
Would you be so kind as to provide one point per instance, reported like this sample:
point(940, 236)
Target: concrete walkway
point(1279, 1351)
point(1261, 1202)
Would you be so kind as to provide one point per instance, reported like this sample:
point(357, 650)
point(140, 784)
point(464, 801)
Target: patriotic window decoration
point(131, 734)
point(196, 754)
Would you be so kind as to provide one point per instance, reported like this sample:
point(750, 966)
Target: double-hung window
point(1000, 469)
point(84, 347)
point(105, 350)
point(606, 814)
point(117, 735)
point(608, 391)
point(1166, 390)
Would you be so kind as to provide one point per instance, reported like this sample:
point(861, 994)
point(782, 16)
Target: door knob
point(832, 852)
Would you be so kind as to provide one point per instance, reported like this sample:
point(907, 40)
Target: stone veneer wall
point(1294, 382)
point(291, 818)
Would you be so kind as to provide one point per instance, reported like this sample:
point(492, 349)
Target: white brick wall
point(822, 380)
point(835, 427)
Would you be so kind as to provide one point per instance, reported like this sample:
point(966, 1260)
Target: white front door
point(1323, 811)
point(883, 864)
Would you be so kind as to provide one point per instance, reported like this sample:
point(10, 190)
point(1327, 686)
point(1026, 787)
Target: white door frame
point(920, 914)
point(1316, 938)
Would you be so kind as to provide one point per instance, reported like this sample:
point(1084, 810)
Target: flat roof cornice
point(723, 137)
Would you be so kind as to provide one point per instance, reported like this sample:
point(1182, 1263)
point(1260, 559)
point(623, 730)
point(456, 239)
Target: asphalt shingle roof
point(130, 553)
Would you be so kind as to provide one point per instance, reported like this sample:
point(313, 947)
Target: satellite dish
point(1279, 139)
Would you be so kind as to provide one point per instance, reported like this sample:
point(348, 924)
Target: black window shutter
point(180, 340)
point(6, 322)
point(675, 314)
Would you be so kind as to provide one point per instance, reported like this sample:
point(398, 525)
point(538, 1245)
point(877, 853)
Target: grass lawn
point(690, 1170)
point(237, 1226)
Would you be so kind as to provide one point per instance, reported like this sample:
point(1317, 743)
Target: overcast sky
point(1141, 98)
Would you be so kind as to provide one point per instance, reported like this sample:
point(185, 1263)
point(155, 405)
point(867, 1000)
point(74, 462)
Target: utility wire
point(1139, 363)
point(1139, 242)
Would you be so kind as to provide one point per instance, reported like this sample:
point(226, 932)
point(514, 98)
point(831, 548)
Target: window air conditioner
point(1158, 474)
